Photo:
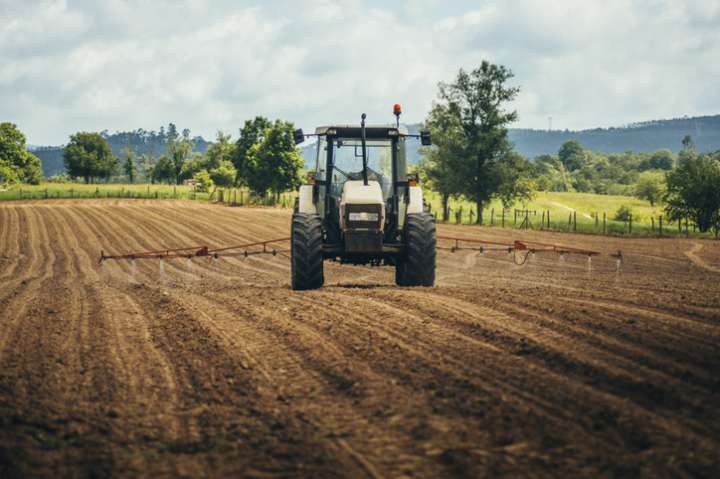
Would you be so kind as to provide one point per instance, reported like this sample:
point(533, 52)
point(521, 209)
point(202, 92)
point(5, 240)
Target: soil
point(559, 367)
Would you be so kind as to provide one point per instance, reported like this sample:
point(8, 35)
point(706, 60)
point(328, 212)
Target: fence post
point(652, 224)
point(472, 213)
point(660, 224)
point(630, 223)
point(604, 223)
point(597, 220)
point(687, 232)
point(527, 219)
point(492, 217)
point(574, 220)
point(542, 222)
point(503, 217)
point(458, 216)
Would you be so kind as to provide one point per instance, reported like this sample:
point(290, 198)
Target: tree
point(572, 155)
point(476, 100)
point(251, 133)
point(179, 150)
point(650, 186)
point(274, 162)
point(129, 164)
point(88, 156)
point(659, 160)
point(222, 150)
point(204, 182)
point(164, 171)
point(440, 164)
point(513, 176)
point(16, 163)
point(224, 174)
point(692, 190)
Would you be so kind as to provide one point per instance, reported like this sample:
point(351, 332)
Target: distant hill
point(640, 137)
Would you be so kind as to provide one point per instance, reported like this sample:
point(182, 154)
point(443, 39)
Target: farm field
point(216, 368)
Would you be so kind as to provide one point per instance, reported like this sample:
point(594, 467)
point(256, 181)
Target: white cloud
point(88, 65)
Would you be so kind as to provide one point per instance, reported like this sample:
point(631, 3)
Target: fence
point(595, 223)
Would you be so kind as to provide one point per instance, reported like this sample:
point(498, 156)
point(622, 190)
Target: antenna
point(549, 123)
point(364, 152)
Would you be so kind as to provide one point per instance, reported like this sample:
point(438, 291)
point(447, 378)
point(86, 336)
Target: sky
point(91, 65)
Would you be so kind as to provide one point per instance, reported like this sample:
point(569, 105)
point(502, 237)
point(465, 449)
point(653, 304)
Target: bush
point(205, 183)
point(624, 213)
point(224, 175)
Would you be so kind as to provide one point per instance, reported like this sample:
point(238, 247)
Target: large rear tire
point(306, 252)
point(417, 266)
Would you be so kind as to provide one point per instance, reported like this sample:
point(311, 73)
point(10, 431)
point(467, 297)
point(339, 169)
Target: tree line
point(263, 158)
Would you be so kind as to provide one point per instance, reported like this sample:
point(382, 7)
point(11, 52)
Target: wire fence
point(594, 223)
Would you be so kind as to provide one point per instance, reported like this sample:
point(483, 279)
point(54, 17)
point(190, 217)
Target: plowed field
point(217, 368)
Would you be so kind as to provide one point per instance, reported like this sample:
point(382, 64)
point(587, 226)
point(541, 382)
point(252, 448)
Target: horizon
point(208, 67)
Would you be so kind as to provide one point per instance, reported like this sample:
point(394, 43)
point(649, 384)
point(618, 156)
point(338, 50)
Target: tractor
point(359, 206)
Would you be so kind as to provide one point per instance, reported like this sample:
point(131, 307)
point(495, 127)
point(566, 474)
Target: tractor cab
point(347, 198)
point(359, 206)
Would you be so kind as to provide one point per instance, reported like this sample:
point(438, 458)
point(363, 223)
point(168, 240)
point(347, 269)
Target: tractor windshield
point(347, 162)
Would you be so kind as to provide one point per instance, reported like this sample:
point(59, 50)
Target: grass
point(563, 208)
point(235, 196)
point(568, 212)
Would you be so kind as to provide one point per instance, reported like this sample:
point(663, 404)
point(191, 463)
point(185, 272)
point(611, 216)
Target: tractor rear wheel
point(306, 252)
point(417, 266)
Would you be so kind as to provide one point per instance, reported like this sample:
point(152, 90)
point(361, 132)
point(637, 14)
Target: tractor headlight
point(363, 216)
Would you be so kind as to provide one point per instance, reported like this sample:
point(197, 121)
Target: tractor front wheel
point(306, 252)
point(417, 266)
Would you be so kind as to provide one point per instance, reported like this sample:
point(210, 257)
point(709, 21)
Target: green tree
point(650, 186)
point(129, 164)
point(692, 190)
point(251, 133)
point(224, 174)
point(204, 182)
point(222, 150)
point(179, 151)
point(88, 156)
point(659, 160)
point(16, 163)
point(513, 176)
point(477, 100)
point(275, 162)
point(440, 166)
point(572, 155)
point(164, 171)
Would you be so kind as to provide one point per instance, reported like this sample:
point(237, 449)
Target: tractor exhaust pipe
point(364, 152)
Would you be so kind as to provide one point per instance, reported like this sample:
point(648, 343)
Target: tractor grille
point(364, 217)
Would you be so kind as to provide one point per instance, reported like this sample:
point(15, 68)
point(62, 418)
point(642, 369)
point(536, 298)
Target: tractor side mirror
point(425, 138)
point(299, 136)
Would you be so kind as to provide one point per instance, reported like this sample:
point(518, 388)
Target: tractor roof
point(371, 131)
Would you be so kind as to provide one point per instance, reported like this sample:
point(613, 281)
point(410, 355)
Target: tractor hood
point(356, 194)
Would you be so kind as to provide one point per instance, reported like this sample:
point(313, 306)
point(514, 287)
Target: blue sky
point(208, 65)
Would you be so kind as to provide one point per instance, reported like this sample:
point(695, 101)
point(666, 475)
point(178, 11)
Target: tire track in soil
point(141, 369)
point(547, 409)
point(286, 358)
point(692, 254)
point(235, 427)
point(624, 379)
point(196, 432)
